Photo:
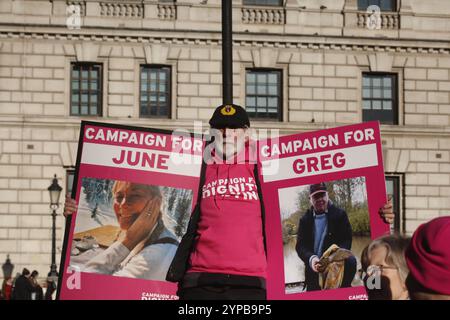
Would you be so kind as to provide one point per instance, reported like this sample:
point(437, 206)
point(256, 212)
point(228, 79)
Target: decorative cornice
point(285, 127)
point(246, 40)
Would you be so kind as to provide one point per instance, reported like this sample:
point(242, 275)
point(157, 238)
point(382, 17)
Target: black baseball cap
point(317, 188)
point(229, 116)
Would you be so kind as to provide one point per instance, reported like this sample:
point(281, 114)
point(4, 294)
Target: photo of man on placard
point(318, 235)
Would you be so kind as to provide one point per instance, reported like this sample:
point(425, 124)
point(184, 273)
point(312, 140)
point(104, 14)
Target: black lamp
point(7, 268)
point(55, 192)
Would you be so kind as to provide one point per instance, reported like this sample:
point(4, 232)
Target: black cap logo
point(228, 110)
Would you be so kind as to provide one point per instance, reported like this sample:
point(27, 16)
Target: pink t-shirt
point(230, 237)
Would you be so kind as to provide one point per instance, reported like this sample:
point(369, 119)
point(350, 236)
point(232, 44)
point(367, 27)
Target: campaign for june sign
point(310, 257)
point(135, 189)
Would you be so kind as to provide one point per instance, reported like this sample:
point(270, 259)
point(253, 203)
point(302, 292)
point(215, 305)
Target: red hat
point(428, 255)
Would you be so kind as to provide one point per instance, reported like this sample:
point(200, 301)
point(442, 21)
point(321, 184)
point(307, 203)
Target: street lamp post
point(55, 192)
point(5, 290)
point(227, 52)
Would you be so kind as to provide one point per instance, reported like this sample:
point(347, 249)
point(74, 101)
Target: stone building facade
point(323, 54)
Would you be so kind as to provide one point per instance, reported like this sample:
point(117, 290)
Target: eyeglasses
point(129, 199)
point(378, 269)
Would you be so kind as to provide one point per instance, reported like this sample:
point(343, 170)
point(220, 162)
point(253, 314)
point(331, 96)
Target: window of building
point(379, 98)
point(385, 5)
point(155, 91)
point(86, 89)
point(263, 2)
point(263, 94)
point(393, 189)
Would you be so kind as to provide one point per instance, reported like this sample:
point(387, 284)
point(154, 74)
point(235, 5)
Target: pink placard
point(349, 161)
point(119, 170)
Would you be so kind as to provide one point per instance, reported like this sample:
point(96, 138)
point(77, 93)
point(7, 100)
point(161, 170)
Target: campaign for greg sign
point(317, 153)
point(348, 160)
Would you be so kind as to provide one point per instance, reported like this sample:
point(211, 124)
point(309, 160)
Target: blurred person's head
point(26, 272)
point(229, 126)
point(428, 259)
point(130, 200)
point(384, 262)
point(34, 274)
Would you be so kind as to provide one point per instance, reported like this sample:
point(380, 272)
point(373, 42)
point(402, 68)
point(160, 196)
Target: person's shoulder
point(20, 279)
point(166, 233)
point(163, 245)
point(337, 211)
point(158, 251)
point(307, 216)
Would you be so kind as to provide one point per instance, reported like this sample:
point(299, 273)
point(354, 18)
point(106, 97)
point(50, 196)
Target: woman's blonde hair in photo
point(152, 191)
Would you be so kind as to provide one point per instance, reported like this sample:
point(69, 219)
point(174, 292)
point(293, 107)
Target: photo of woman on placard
point(139, 245)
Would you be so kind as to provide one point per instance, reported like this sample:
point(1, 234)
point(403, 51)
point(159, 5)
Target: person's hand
point(386, 212)
point(70, 206)
point(315, 264)
point(143, 224)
